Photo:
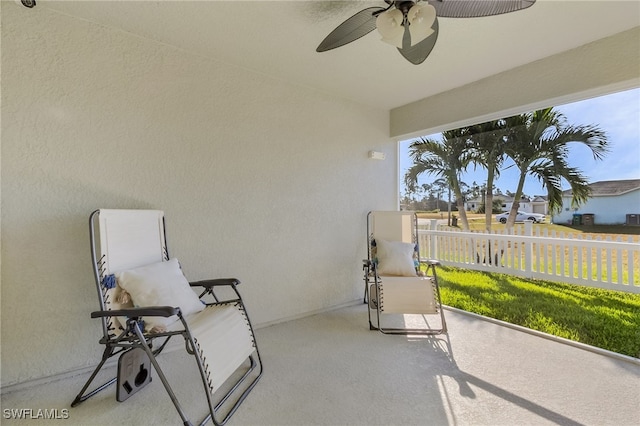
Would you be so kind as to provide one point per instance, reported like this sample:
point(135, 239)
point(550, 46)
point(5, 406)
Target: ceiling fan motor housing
point(404, 6)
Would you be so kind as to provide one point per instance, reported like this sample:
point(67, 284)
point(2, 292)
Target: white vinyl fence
point(568, 258)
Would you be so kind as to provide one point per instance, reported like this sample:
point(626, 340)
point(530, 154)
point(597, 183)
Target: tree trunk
point(449, 209)
point(511, 220)
point(460, 204)
point(462, 212)
point(488, 200)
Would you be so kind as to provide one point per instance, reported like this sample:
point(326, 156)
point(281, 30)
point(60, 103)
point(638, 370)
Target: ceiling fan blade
point(417, 53)
point(475, 8)
point(360, 24)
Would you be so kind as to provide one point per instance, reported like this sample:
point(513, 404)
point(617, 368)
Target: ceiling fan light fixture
point(389, 25)
point(412, 25)
point(421, 18)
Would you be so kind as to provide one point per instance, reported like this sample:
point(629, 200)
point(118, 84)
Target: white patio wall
point(259, 179)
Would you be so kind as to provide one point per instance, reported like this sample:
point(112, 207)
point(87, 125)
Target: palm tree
point(489, 144)
point(446, 159)
point(538, 143)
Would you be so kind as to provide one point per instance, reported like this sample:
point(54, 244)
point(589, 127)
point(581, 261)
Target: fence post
point(433, 225)
point(528, 248)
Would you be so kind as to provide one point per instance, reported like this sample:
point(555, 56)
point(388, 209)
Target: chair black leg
point(163, 379)
point(365, 299)
point(81, 397)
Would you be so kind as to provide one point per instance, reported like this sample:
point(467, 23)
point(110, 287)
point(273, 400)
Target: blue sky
point(618, 114)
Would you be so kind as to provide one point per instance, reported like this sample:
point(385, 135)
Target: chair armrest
point(148, 311)
point(430, 262)
point(215, 282)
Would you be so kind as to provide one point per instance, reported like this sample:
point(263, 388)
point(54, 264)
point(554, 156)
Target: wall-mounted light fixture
point(377, 155)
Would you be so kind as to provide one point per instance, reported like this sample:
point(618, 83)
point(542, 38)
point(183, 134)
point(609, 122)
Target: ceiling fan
point(412, 26)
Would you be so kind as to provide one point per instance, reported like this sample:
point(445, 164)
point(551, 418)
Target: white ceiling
point(279, 38)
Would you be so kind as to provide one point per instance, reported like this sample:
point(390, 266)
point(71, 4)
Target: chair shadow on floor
point(441, 347)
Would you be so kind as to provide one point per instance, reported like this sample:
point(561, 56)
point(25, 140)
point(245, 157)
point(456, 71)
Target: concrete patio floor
point(330, 369)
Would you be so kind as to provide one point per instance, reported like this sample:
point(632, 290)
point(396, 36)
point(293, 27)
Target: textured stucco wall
point(259, 179)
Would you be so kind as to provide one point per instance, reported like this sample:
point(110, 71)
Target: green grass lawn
point(602, 318)
point(595, 231)
point(477, 223)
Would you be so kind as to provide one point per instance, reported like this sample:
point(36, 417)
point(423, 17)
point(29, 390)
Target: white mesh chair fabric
point(222, 339)
point(393, 226)
point(407, 295)
point(131, 238)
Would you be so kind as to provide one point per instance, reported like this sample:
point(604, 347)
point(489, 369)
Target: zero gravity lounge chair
point(145, 300)
point(399, 292)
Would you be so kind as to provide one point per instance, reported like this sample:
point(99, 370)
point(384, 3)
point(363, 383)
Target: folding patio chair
point(145, 300)
point(397, 289)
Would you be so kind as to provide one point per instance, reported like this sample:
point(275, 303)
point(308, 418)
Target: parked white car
point(521, 217)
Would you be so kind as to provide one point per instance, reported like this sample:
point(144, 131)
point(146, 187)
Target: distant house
point(474, 204)
point(523, 205)
point(611, 202)
point(535, 204)
point(540, 204)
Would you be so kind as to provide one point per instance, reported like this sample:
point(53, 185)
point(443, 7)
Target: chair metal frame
point(133, 336)
point(374, 280)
